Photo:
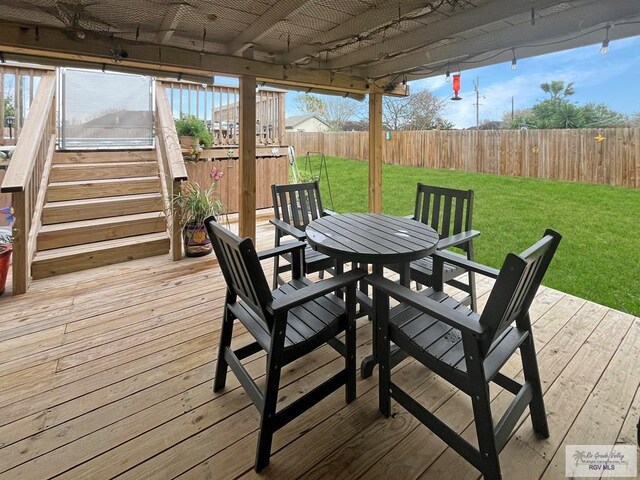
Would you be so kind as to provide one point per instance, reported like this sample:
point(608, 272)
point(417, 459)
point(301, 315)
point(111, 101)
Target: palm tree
point(557, 90)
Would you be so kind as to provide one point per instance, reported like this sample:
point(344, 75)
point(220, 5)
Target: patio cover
point(346, 47)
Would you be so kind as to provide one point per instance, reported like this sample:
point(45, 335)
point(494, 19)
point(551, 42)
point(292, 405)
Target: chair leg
point(265, 436)
point(381, 308)
point(350, 360)
point(532, 375)
point(225, 342)
point(481, 402)
point(486, 434)
point(339, 268)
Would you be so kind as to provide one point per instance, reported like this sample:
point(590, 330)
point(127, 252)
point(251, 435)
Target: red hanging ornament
point(456, 87)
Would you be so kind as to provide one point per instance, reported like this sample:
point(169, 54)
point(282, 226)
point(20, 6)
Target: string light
point(605, 43)
point(514, 61)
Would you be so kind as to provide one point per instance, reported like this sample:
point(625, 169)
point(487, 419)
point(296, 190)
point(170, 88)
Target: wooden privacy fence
point(571, 155)
point(269, 170)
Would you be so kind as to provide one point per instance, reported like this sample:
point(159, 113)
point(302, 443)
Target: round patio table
point(375, 239)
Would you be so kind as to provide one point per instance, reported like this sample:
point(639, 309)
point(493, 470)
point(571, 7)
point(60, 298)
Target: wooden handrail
point(169, 137)
point(23, 160)
point(27, 179)
point(171, 166)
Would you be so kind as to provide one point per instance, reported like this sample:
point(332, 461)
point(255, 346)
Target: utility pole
point(476, 88)
point(512, 110)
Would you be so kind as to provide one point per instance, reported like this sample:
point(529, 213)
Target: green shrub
point(190, 126)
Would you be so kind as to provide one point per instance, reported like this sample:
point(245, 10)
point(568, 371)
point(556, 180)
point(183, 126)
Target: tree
point(558, 112)
point(599, 115)
point(334, 111)
point(419, 111)
point(9, 107)
point(557, 90)
point(634, 119)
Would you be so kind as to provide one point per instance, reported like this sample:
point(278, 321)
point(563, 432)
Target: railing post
point(176, 227)
point(171, 167)
point(20, 267)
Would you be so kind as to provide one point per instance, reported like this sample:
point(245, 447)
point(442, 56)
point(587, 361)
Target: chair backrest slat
point(297, 204)
point(241, 268)
point(447, 210)
point(517, 284)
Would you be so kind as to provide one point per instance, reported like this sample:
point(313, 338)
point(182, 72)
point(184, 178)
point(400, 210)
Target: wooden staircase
point(101, 208)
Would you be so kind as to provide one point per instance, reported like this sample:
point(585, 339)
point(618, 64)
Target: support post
point(247, 161)
point(375, 152)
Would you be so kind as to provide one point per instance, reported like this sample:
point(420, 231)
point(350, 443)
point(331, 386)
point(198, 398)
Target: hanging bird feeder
point(456, 87)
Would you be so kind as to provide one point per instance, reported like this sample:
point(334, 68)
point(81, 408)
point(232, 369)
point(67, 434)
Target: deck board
point(108, 373)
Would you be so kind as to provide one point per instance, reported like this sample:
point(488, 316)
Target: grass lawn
point(598, 258)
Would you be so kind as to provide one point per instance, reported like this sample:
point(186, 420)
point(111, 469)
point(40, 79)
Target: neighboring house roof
point(294, 121)
point(122, 118)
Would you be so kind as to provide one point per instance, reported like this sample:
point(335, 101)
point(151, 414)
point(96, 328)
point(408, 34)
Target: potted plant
point(193, 133)
point(196, 204)
point(5, 248)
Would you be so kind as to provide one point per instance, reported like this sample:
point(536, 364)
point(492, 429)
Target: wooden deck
point(108, 373)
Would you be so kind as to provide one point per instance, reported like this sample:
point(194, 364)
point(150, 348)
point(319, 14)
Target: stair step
point(102, 171)
point(97, 230)
point(61, 191)
point(87, 209)
point(104, 156)
point(81, 257)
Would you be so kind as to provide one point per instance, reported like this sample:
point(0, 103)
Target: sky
point(608, 79)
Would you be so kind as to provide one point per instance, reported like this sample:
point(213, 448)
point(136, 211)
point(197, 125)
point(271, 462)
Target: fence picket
point(568, 155)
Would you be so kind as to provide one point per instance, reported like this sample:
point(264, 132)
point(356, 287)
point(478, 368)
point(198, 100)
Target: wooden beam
point(375, 153)
point(170, 22)
point(459, 22)
point(553, 27)
point(247, 161)
point(56, 44)
point(274, 14)
point(382, 14)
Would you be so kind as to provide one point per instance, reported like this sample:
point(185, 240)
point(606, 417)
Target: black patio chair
point(449, 212)
point(286, 323)
point(468, 350)
point(294, 207)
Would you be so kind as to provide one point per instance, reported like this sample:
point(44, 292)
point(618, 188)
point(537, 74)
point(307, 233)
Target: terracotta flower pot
point(196, 241)
point(5, 256)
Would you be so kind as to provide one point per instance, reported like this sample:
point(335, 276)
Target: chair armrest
point(273, 252)
point(460, 238)
point(329, 212)
point(445, 314)
point(288, 229)
point(319, 289)
point(465, 263)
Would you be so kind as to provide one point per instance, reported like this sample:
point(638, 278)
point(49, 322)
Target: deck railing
point(18, 85)
point(27, 178)
point(219, 108)
point(171, 166)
